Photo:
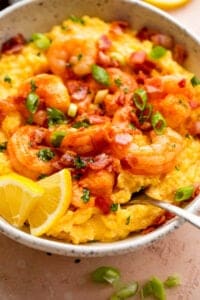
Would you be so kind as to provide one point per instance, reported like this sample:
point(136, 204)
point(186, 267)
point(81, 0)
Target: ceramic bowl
point(31, 16)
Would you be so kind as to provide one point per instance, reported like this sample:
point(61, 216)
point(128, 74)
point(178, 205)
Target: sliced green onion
point(146, 113)
point(57, 138)
point(45, 154)
point(106, 274)
point(172, 281)
point(157, 52)
point(140, 98)
point(158, 122)
point(184, 193)
point(100, 75)
point(154, 287)
point(41, 41)
point(125, 292)
point(86, 195)
point(3, 146)
point(195, 81)
point(55, 116)
point(32, 102)
point(72, 110)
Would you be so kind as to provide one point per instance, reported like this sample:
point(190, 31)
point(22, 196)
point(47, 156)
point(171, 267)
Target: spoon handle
point(188, 216)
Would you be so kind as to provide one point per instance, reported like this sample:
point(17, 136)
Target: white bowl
point(31, 16)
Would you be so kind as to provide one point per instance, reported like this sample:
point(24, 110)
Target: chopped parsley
point(118, 82)
point(114, 207)
point(86, 195)
point(3, 146)
point(128, 220)
point(79, 163)
point(55, 116)
point(7, 79)
point(77, 19)
point(33, 86)
point(79, 56)
point(45, 154)
point(85, 123)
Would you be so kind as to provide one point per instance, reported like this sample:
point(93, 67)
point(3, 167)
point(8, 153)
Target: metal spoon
point(186, 215)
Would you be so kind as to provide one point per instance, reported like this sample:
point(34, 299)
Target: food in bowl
point(112, 106)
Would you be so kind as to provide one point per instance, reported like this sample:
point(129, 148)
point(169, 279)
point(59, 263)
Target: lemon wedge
point(18, 197)
point(167, 4)
point(52, 204)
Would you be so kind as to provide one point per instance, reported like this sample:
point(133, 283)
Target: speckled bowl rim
point(99, 249)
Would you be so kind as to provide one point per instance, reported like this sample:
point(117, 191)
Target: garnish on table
point(154, 287)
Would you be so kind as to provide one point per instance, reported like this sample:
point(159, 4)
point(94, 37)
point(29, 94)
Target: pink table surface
point(30, 274)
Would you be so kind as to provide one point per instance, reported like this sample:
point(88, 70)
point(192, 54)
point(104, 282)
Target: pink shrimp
point(76, 55)
point(26, 152)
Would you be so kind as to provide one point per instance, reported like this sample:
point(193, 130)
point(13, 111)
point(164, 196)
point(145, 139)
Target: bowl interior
point(31, 16)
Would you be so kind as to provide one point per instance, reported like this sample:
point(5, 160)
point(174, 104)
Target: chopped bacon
point(100, 162)
point(179, 53)
point(77, 90)
point(67, 159)
point(97, 119)
point(104, 204)
point(118, 27)
point(193, 103)
point(163, 40)
point(38, 136)
point(13, 45)
point(104, 43)
point(105, 60)
point(137, 57)
point(40, 117)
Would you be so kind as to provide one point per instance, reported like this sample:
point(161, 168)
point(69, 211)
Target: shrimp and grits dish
point(91, 114)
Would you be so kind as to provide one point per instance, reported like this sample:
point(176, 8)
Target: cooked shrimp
point(121, 80)
point(91, 140)
point(77, 55)
point(24, 149)
point(49, 88)
point(156, 158)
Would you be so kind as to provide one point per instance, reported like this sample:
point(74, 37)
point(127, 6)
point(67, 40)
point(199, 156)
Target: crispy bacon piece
point(77, 89)
point(13, 45)
point(145, 33)
point(163, 40)
point(104, 204)
point(105, 60)
point(118, 27)
point(139, 62)
point(100, 162)
point(179, 53)
point(104, 43)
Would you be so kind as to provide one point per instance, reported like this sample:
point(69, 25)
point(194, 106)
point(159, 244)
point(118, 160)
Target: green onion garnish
point(195, 81)
point(100, 75)
point(86, 195)
point(41, 41)
point(157, 52)
point(172, 281)
point(154, 287)
point(72, 110)
point(140, 98)
point(55, 116)
point(158, 122)
point(57, 138)
point(184, 193)
point(106, 274)
point(125, 292)
point(45, 154)
point(32, 102)
point(146, 113)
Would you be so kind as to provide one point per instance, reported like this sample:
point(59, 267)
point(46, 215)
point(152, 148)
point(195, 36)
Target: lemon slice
point(53, 203)
point(167, 4)
point(18, 197)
